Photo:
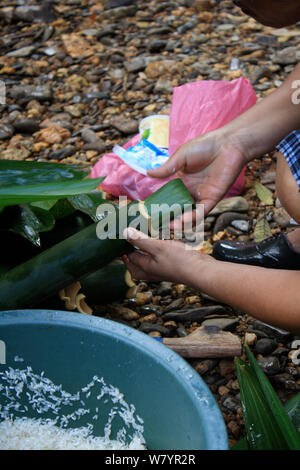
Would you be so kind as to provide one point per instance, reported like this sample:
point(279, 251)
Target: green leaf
point(88, 203)
point(264, 194)
point(31, 221)
point(22, 182)
point(262, 230)
point(279, 412)
point(62, 208)
point(263, 432)
point(47, 205)
point(13, 195)
point(293, 409)
point(15, 172)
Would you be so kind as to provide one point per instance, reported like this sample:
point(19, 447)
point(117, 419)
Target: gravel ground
point(81, 74)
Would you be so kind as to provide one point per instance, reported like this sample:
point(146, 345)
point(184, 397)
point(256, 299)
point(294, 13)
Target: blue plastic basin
point(178, 409)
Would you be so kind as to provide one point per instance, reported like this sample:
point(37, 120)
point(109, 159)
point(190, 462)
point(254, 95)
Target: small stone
point(35, 13)
point(135, 65)
point(286, 56)
point(226, 324)
point(53, 134)
point(204, 366)
point(250, 338)
point(242, 225)
point(152, 318)
point(22, 52)
point(234, 428)
point(89, 136)
point(223, 391)
point(232, 404)
point(157, 45)
point(236, 203)
point(147, 327)
point(6, 131)
point(287, 381)
point(195, 314)
point(125, 126)
point(226, 367)
point(14, 154)
point(26, 125)
point(226, 219)
point(281, 217)
point(165, 288)
point(63, 153)
point(270, 365)
point(119, 12)
point(163, 86)
point(278, 334)
point(265, 346)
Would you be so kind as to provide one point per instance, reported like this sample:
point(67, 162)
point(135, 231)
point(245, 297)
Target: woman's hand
point(162, 260)
point(208, 165)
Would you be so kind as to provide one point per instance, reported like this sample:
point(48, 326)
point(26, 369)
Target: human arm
point(209, 164)
point(270, 295)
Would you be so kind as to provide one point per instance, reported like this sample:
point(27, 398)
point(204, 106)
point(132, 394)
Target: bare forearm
point(263, 126)
point(270, 295)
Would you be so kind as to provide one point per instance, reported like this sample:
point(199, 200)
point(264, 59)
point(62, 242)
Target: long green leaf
point(44, 191)
point(279, 412)
point(293, 409)
point(263, 433)
point(16, 172)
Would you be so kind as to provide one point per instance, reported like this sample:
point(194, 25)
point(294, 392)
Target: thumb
point(172, 165)
point(141, 240)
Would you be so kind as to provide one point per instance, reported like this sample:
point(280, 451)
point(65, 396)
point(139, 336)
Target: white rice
point(37, 414)
point(33, 434)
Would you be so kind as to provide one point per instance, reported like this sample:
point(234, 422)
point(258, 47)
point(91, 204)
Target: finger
point(176, 162)
point(188, 219)
point(141, 240)
point(135, 271)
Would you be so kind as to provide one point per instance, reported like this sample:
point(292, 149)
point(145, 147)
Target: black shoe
point(275, 252)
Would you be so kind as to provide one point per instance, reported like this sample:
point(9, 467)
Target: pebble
point(164, 288)
point(226, 324)
point(228, 218)
point(6, 131)
point(205, 365)
point(65, 152)
point(265, 346)
point(22, 52)
point(194, 313)
point(231, 204)
point(270, 365)
point(89, 136)
point(125, 126)
point(278, 334)
point(250, 338)
point(26, 125)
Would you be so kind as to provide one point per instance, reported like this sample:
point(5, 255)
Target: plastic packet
point(143, 156)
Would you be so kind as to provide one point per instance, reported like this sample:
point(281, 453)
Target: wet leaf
point(88, 203)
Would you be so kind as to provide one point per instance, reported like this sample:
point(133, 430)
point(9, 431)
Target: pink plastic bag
point(197, 108)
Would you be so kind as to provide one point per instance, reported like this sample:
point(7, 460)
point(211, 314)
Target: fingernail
point(131, 233)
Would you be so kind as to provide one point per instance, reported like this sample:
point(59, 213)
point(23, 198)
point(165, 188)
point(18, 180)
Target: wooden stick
point(206, 342)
